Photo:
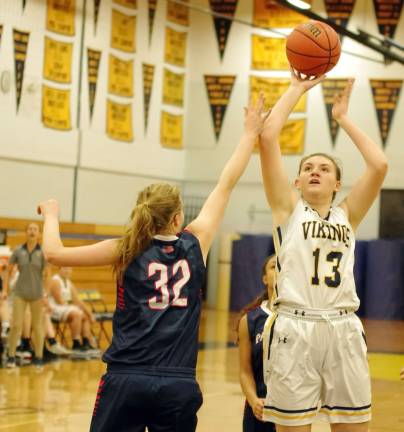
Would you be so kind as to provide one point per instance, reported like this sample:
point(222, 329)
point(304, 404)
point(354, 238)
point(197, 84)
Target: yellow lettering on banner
point(120, 80)
point(173, 88)
point(267, 14)
point(132, 4)
point(178, 13)
point(56, 108)
point(119, 121)
point(273, 88)
point(268, 53)
point(60, 16)
point(175, 47)
point(123, 32)
point(171, 130)
point(58, 61)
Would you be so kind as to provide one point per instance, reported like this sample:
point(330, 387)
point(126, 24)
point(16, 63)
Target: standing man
point(29, 290)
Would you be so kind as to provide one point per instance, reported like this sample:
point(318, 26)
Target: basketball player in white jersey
point(317, 365)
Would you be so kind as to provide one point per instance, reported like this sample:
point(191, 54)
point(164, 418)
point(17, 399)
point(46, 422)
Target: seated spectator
point(66, 306)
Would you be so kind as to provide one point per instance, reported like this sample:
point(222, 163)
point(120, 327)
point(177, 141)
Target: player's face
point(269, 276)
point(33, 232)
point(317, 179)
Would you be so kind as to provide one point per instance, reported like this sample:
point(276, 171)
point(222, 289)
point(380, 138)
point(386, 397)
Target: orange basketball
point(313, 48)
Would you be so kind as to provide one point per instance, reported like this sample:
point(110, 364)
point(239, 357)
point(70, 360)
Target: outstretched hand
point(305, 83)
point(341, 101)
point(254, 116)
point(49, 207)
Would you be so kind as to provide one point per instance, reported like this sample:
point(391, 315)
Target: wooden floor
point(61, 398)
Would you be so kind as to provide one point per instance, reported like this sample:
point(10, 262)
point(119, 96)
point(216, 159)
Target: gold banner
point(123, 32)
point(268, 53)
point(292, 137)
point(58, 61)
point(268, 14)
point(273, 88)
point(60, 16)
point(175, 47)
point(388, 13)
point(119, 121)
point(148, 75)
point(93, 64)
point(120, 77)
point(21, 40)
point(131, 4)
point(171, 130)
point(386, 93)
point(173, 88)
point(56, 108)
point(178, 13)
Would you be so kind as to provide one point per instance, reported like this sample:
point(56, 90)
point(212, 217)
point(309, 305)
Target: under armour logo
point(284, 339)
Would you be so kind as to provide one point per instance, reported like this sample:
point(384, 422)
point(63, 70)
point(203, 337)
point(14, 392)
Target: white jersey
point(315, 259)
point(65, 289)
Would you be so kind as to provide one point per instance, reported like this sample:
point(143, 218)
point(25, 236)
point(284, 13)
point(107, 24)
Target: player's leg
point(305, 428)
point(38, 334)
point(350, 427)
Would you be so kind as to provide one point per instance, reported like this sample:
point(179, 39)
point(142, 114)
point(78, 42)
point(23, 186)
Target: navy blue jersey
point(256, 321)
point(158, 307)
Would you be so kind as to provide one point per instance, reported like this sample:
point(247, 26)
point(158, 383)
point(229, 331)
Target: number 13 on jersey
point(333, 257)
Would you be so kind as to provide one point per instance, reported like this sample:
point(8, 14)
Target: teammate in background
point(250, 339)
point(150, 380)
point(318, 351)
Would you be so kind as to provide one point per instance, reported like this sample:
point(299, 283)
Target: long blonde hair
point(155, 208)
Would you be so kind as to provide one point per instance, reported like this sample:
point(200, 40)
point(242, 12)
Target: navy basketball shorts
point(130, 402)
point(252, 424)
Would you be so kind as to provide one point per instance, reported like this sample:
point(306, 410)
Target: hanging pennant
point(330, 88)
point(175, 47)
point(219, 89)
point(268, 14)
point(223, 25)
point(152, 4)
point(93, 64)
point(388, 14)
point(268, 53)
point(1, 33)
point(123, 32)
point(21, 40)
point(171, 130)
point(385, 97)
point(338, 11)
point(56, 108)
point(173, 88)
point(119, 121)
point(58, 61)
point(24, 3)
point(120, 77)
point(178, 13)
point(97, 4)
point(148, 75)
point(60, 16)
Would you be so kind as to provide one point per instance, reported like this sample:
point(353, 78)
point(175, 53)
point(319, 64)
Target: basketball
point(313, 48)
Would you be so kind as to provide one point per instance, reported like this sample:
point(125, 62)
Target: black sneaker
point(38, 363)
point(49, 356)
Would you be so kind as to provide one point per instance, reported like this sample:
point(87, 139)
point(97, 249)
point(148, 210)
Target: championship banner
point(292, 137)
point(56, 108)
point(273, 88)
point(123, 32)
point(330, 88)
point(120, 76)
point(267, 14)
point(58, 61)
point(131, 4)
point(171, 130)
point(93, 65)
point(21, 40)
point(96, 12)
point(178, 13)
point(60, 16)
point(219, 89)
point(173, 88)
point(385, 97)
point(268, 53)
point(339, 11)
point(222, 25)
point(148, 75)
point(388, 14)
point(119, 121)
point(175, 47)
point(152, 6)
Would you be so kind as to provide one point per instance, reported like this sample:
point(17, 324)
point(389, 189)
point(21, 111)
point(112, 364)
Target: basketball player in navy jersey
point(318, 357)
point(250, 339)
point(150, 380)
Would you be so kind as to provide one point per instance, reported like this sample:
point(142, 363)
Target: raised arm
point(279, 192)
point(366, 189)
point(207, 222)
point(101, 253)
